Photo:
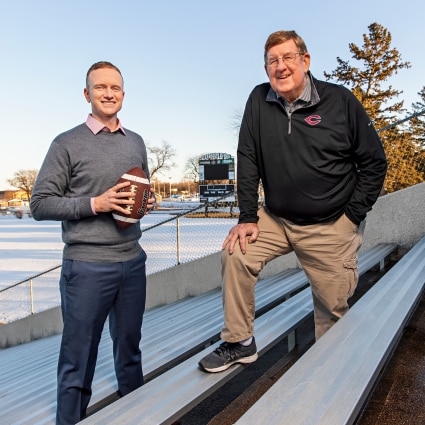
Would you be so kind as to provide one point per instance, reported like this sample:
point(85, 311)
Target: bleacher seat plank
point(170, 333)
point(29, 371)
point(177, 391)
point(170, 395)
point(329, 384)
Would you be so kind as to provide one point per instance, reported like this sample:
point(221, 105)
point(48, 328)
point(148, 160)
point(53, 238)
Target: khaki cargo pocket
point(352, 274)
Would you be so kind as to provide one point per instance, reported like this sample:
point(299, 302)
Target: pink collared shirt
point(96, 127)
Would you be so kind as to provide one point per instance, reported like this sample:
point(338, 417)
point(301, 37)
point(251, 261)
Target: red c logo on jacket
point(313, 119)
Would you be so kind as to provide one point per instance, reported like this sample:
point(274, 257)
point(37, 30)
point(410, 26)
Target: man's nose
point(108, 92)
point(281, 64)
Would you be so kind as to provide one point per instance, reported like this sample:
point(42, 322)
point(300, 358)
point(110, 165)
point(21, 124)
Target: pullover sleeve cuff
point(93, 209)
point(85, 208)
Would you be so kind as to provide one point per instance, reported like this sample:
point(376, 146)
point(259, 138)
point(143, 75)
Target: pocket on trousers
point(349, 223)
point(67, 269)
point(352, 276)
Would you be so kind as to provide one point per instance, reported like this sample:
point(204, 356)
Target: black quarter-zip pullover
point(321, 161)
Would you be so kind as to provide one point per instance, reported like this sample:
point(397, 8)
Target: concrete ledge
point(398, 217)
point(33, 327)
point(199, 276)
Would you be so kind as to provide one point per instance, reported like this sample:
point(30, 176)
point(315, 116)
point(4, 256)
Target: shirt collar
point(308, 97)
point(96, 126)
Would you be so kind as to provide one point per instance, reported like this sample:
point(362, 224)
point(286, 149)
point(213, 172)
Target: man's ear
point(87, 95)
point(306, 61)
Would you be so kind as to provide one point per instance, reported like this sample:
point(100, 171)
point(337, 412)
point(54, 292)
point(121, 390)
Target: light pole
point(170, 187)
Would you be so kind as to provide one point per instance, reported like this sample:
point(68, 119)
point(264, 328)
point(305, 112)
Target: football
point(140, 186)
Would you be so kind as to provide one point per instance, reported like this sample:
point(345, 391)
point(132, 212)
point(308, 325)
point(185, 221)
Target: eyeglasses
point(287, 59)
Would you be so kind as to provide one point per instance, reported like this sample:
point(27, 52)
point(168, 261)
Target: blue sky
point(188, 65)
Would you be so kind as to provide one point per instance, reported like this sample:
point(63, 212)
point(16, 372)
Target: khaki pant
point(327, 252)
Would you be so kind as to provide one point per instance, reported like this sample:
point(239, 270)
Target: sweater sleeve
point(247, 168)
point(48, 200)
point(369, 156)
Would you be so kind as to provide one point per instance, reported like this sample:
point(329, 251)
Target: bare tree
point(24, 180)
point(160, 158)
point(236, 120)
point(192, 168)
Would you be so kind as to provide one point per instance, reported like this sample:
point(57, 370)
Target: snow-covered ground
point(28, 247)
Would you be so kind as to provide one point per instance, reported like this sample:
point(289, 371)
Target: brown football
point(140, 186)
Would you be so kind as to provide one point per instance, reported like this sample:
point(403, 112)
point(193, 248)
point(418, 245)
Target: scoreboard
point(216, 166)
point(214, 191)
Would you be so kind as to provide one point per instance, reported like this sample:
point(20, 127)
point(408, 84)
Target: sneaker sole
point(244, 360)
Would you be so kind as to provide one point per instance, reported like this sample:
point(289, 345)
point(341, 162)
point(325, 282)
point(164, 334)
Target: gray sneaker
point(228, 354)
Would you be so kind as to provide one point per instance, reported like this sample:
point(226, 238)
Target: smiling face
point(287, 79)
point(105, 93)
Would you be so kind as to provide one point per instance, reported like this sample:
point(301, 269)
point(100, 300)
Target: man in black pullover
point(322, 167)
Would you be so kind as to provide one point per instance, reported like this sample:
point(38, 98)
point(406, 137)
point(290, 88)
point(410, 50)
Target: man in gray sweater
point(103, 270)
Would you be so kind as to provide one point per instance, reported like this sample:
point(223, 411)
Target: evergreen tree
point(417, 124)
point(417, 129)
point(378, 62)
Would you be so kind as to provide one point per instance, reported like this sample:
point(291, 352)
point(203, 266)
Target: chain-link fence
point(38, 293)
point(182, 233)
point(180, 237)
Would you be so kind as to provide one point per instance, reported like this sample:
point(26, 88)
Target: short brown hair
point(280, 37)
point(100, 65)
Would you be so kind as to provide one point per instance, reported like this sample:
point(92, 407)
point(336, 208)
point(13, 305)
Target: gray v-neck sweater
point(78, 166)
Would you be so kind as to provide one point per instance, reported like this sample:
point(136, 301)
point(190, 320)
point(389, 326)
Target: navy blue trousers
point(89, 293)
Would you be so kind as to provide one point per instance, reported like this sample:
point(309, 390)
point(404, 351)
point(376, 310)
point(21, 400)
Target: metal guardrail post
point(178, 240)
point(31, 298)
